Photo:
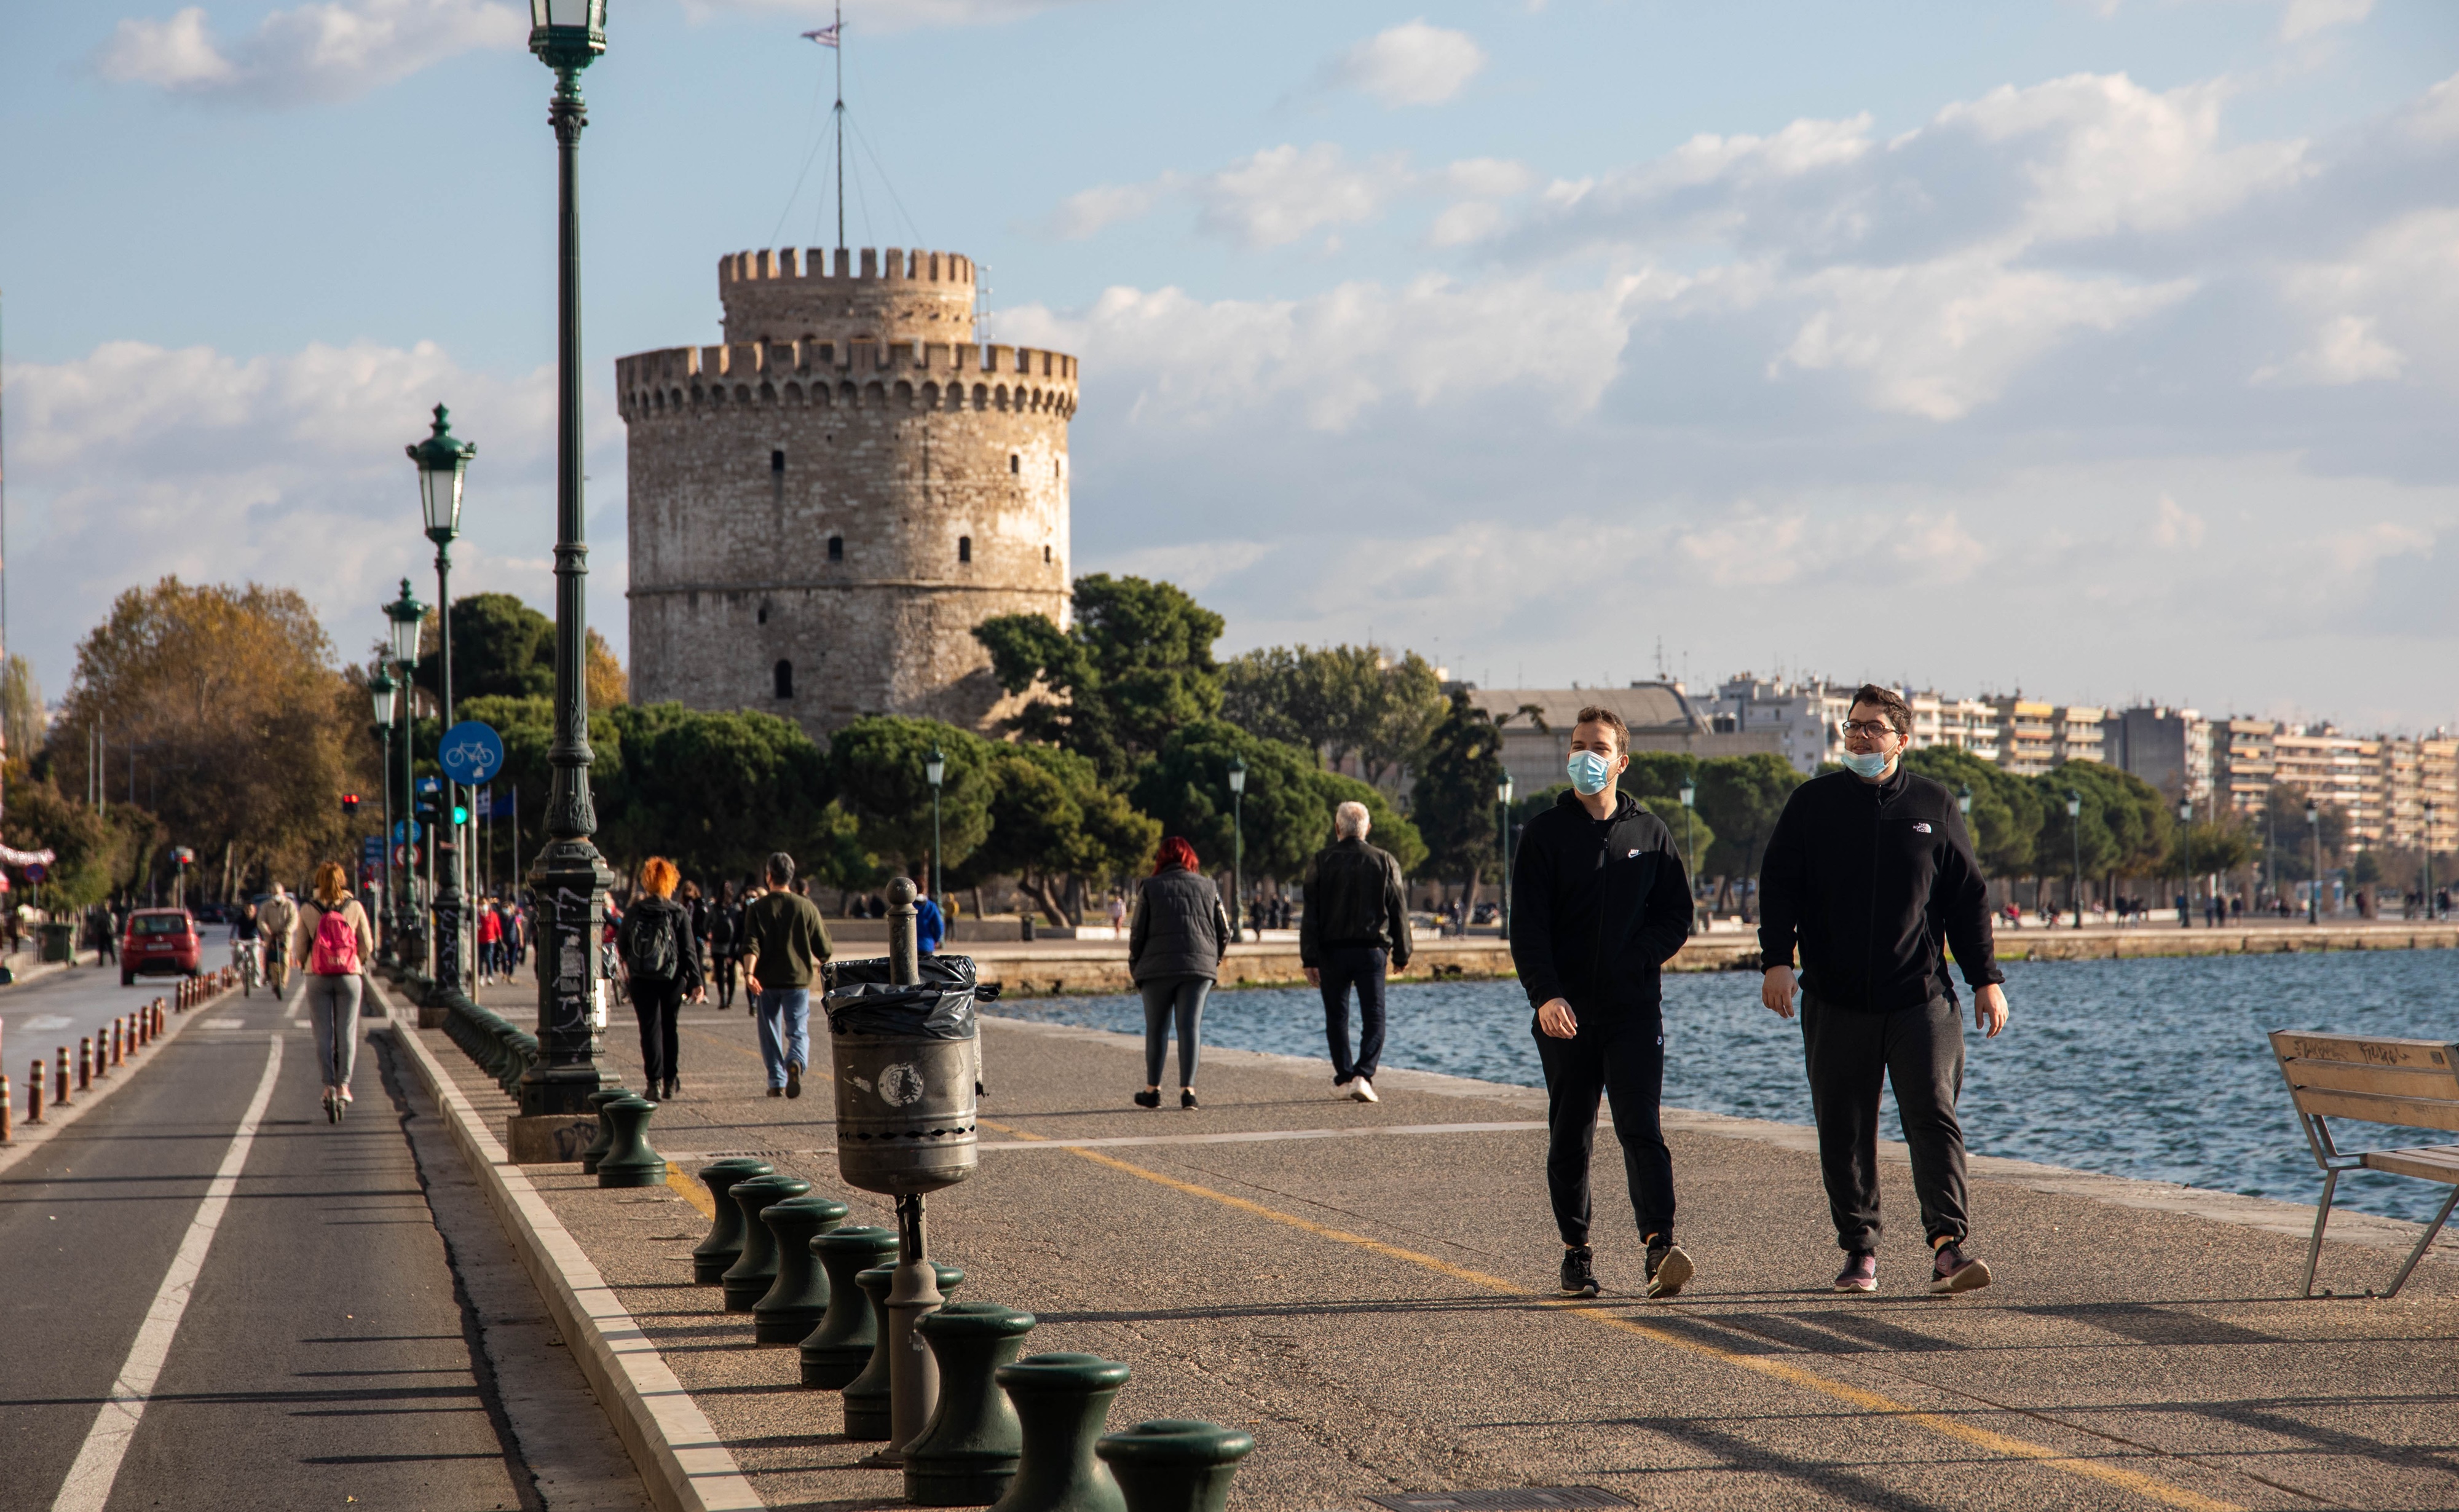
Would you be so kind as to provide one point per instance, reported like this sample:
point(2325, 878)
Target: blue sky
point(2103, 350)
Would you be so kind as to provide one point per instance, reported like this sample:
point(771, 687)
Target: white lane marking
point(297, 1001)
point(97, 1462)
point(46, 1022)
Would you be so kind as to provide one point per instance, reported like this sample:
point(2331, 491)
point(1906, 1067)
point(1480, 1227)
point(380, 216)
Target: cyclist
point(243, 941)
point(274, 922)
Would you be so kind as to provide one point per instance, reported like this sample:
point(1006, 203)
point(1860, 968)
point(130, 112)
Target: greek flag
point(827, 35)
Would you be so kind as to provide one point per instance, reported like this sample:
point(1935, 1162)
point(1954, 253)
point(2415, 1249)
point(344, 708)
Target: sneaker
point(776, 1091)
point(1860, 1272)
point(1186, 1096)
point(793, 1078)
point(1363, 1090)
point(1669, 1268)
point(1953, 1270)
point(1579, 1271)
point(1151, 1099)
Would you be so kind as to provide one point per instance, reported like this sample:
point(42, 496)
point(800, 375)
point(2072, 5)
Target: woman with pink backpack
point(334, 943)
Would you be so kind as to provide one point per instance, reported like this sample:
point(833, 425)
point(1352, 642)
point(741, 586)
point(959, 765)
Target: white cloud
point(335, 50)
point(1283, 192)
point(2304, 18)
point(1089, 212)
point(2175, 528)
point(885, 15)
point(1409, 64)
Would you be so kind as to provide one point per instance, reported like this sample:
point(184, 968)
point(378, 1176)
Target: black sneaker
point(1151, 1099)
point(1953, 1270)
point(1186, 1096)
point(1669, 1268)
point(793, 1078)
point(1579, 1271)
point(1860, 1272)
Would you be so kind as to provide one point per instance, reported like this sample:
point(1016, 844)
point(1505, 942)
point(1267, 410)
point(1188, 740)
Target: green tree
point(527, 727)
point(2141, 828)
point(94, 854)
point(1051, 817)
point(1289, 802)
point(877, 763)
point(1136, 665)
point(1740, 797)
point(23, 719)
point(1701, 837)
point(1453, 801)
point(1342, 700)
point(713, 793)
point(2005, 822)
point(501, 648)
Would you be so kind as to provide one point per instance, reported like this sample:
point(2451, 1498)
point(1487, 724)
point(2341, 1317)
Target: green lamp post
point(381, 689)
point(1237, 843)
point(569, 878)
point(406, 615)
point(1503, 798)
point(2186, 861)
point(935, 771)
point(2074, 836)
point(2314, 891)
point(443, 462)
point(1690, 794)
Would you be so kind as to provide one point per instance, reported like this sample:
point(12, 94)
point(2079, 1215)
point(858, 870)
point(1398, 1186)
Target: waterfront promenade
point(1369, 1290)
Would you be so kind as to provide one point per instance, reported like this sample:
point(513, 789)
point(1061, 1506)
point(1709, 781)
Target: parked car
point(160, 942)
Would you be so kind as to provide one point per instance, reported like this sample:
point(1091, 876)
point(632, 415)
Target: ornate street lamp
point(2074, 833)
point(570, 877)
point(1502, 796)
point(2429, 860)
point(2314, 890)
point(380, 693)
point(406, 615)
point(443, 460)
point(1237, 842)
point(1689, 793)
point(2186, 862)
point(934, 769)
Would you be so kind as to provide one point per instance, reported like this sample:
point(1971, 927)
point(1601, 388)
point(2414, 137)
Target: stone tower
point(823, 507)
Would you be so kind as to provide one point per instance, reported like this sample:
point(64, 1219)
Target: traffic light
point(349, 805)
point(460, 814)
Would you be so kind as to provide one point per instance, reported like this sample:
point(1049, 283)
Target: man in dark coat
point(1600, 902)
point(1356, 925)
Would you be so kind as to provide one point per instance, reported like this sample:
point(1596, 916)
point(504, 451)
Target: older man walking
point(783, 940)
point(1867, 871)
point(1355, 926)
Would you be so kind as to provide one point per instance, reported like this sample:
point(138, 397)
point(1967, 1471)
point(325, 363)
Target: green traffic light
point(460, 815)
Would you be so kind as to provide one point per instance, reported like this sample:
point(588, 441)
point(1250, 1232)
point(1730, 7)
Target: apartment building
point(2078, 732)
point(2242, 763)
point(2170, 748)
point(1805, 716)
point(2437, 778)
point(2027, 734)
point(2332, 767)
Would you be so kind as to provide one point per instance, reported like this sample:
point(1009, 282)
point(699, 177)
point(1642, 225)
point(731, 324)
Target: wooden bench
point(2410, 1083)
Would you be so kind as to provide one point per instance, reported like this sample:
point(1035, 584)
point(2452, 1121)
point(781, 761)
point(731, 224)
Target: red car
point(160, 942)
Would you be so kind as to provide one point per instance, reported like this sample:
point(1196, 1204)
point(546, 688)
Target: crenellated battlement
point(887, 294)
point(855, 374)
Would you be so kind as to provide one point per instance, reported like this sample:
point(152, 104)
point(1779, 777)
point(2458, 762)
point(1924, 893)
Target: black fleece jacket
point(1868, 879)
point(1598, 906)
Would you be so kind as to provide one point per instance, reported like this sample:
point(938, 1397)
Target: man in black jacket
point(1600, 902)
point(1356, 923)
point(1867, 871)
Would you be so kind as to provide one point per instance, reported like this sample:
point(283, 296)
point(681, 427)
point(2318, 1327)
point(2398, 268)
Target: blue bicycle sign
point(472, 753)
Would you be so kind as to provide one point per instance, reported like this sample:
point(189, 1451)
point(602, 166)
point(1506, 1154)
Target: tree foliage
point(1740, 797)
point(1287, 815)
point(1341, 701)
point(1051, 816)
point(877, 766)
point(2005, 822)
point(1454, 800)
point(22, 715)
point(713, 793)
point(1136, 665)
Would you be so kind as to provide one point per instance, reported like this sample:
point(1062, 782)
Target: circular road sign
point(472, 753)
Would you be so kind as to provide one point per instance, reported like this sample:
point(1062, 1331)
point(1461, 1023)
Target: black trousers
point(1621, 1057)
point(1919, 1051)
point(1358, 966)
point(724, 965)
point(656, 1005)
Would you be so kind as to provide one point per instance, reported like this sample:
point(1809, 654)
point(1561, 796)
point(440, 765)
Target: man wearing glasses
point(1867, 871)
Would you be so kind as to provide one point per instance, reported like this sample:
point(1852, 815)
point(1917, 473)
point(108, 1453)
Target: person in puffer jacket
point(1174, 950)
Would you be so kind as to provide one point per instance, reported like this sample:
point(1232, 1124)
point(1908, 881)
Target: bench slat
point(2363, 1049)
point(2433, 1163)
point(2434, 1082)
point(2373, 1109)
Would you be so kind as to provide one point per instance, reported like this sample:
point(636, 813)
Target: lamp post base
point(569, 883)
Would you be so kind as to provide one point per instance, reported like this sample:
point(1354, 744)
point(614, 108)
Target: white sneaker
point(1363, 1091)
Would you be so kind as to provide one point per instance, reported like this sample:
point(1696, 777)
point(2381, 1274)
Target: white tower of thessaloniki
point(823, 507)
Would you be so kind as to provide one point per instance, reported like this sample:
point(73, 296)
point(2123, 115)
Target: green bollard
point(630, 1162)
point(866, 1396)
point(596, 1103)
point(1062, 1401)
point(838, 1349)
point(966, 1455)
point(755, 1269)
point(793, 1304)
point(724, 1245)
point(1175, 1464)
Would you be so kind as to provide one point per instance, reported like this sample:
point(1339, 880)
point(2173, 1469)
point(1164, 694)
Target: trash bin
point(60, 942)
point(905, 1062)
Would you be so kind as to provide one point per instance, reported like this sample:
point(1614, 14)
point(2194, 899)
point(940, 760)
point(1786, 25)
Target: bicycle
point(245, 955)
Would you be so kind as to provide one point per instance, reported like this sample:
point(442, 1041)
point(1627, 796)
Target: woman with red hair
point(654, 949)
point(1174, 950)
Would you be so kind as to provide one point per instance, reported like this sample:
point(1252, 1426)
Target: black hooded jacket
point(1870, 879)
point(1598, 906)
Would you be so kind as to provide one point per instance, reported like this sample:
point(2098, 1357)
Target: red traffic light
point(349, 802)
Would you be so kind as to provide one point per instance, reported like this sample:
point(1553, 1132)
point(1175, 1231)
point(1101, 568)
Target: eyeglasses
point(1867, 729)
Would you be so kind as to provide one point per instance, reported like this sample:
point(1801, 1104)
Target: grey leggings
point(333, 1002)
point(1161, 995)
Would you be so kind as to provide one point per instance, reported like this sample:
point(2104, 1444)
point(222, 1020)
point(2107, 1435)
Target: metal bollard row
point(7, 1113)
point(798, 1298)
point(501, 1049)
point(596, 1103)
point(755, 1269)
point(629, 1161)
point(724, 1245)
point(85, 1063)
point(60, 1083)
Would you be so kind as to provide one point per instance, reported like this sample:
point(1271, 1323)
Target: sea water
point(2156, 1069)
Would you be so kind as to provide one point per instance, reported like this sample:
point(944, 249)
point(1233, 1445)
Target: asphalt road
point(58, 1009)
point(212, 1298)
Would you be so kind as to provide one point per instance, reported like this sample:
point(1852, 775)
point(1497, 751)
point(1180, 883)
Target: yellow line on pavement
point(693, 1192)
point(1852, 1396)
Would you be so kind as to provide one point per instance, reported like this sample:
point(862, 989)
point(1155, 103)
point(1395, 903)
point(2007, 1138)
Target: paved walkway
point(1368, 1289)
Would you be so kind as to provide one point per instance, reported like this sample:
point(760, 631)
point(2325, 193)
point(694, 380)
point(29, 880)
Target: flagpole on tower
point(837, 44)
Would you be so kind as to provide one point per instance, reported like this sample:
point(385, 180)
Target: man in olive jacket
point(1357, 924)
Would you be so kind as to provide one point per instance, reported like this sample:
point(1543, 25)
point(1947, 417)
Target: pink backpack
point(336, 951)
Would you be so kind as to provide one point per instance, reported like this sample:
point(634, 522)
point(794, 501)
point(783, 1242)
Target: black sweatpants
point(1360, 966)
point(1622, 1056)
point(656, 1005)
point(1918, 1051)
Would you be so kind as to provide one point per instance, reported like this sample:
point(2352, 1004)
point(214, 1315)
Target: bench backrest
point(2410, 1081)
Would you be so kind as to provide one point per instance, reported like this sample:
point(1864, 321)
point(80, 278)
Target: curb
point(25, 1137)
point(683, 1463)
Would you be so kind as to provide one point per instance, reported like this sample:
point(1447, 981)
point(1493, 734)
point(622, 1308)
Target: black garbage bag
point(938, 971)
point(927, 1012)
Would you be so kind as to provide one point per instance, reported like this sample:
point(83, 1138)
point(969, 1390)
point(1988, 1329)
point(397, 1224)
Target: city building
point(2027, 734)
point(823, 507)
point(2437, 780)
point(1537, 725)
point(2170, 748)
point(1805, 716)
point(2078, 733)
point(2242, 763)
point(2331, 767)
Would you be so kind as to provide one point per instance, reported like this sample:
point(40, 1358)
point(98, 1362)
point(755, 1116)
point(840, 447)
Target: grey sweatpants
point(333, 1002)
point(1183, 996)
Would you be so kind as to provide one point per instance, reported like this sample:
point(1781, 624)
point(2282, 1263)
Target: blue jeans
point(784, 1016)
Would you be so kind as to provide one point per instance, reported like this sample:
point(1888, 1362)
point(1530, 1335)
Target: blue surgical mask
point(1589, 772)
point(1865, 763)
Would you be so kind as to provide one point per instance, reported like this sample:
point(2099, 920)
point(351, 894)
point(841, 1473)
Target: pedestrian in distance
point(655, 950)
point(724, 918)
point(1356, 930)
point(332, 936)
point(783, 940)
point(1175, 953)
point(490, 939)
point(929, 925)
point(276, 921)
point(1868, 870)
point(1599, 903)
